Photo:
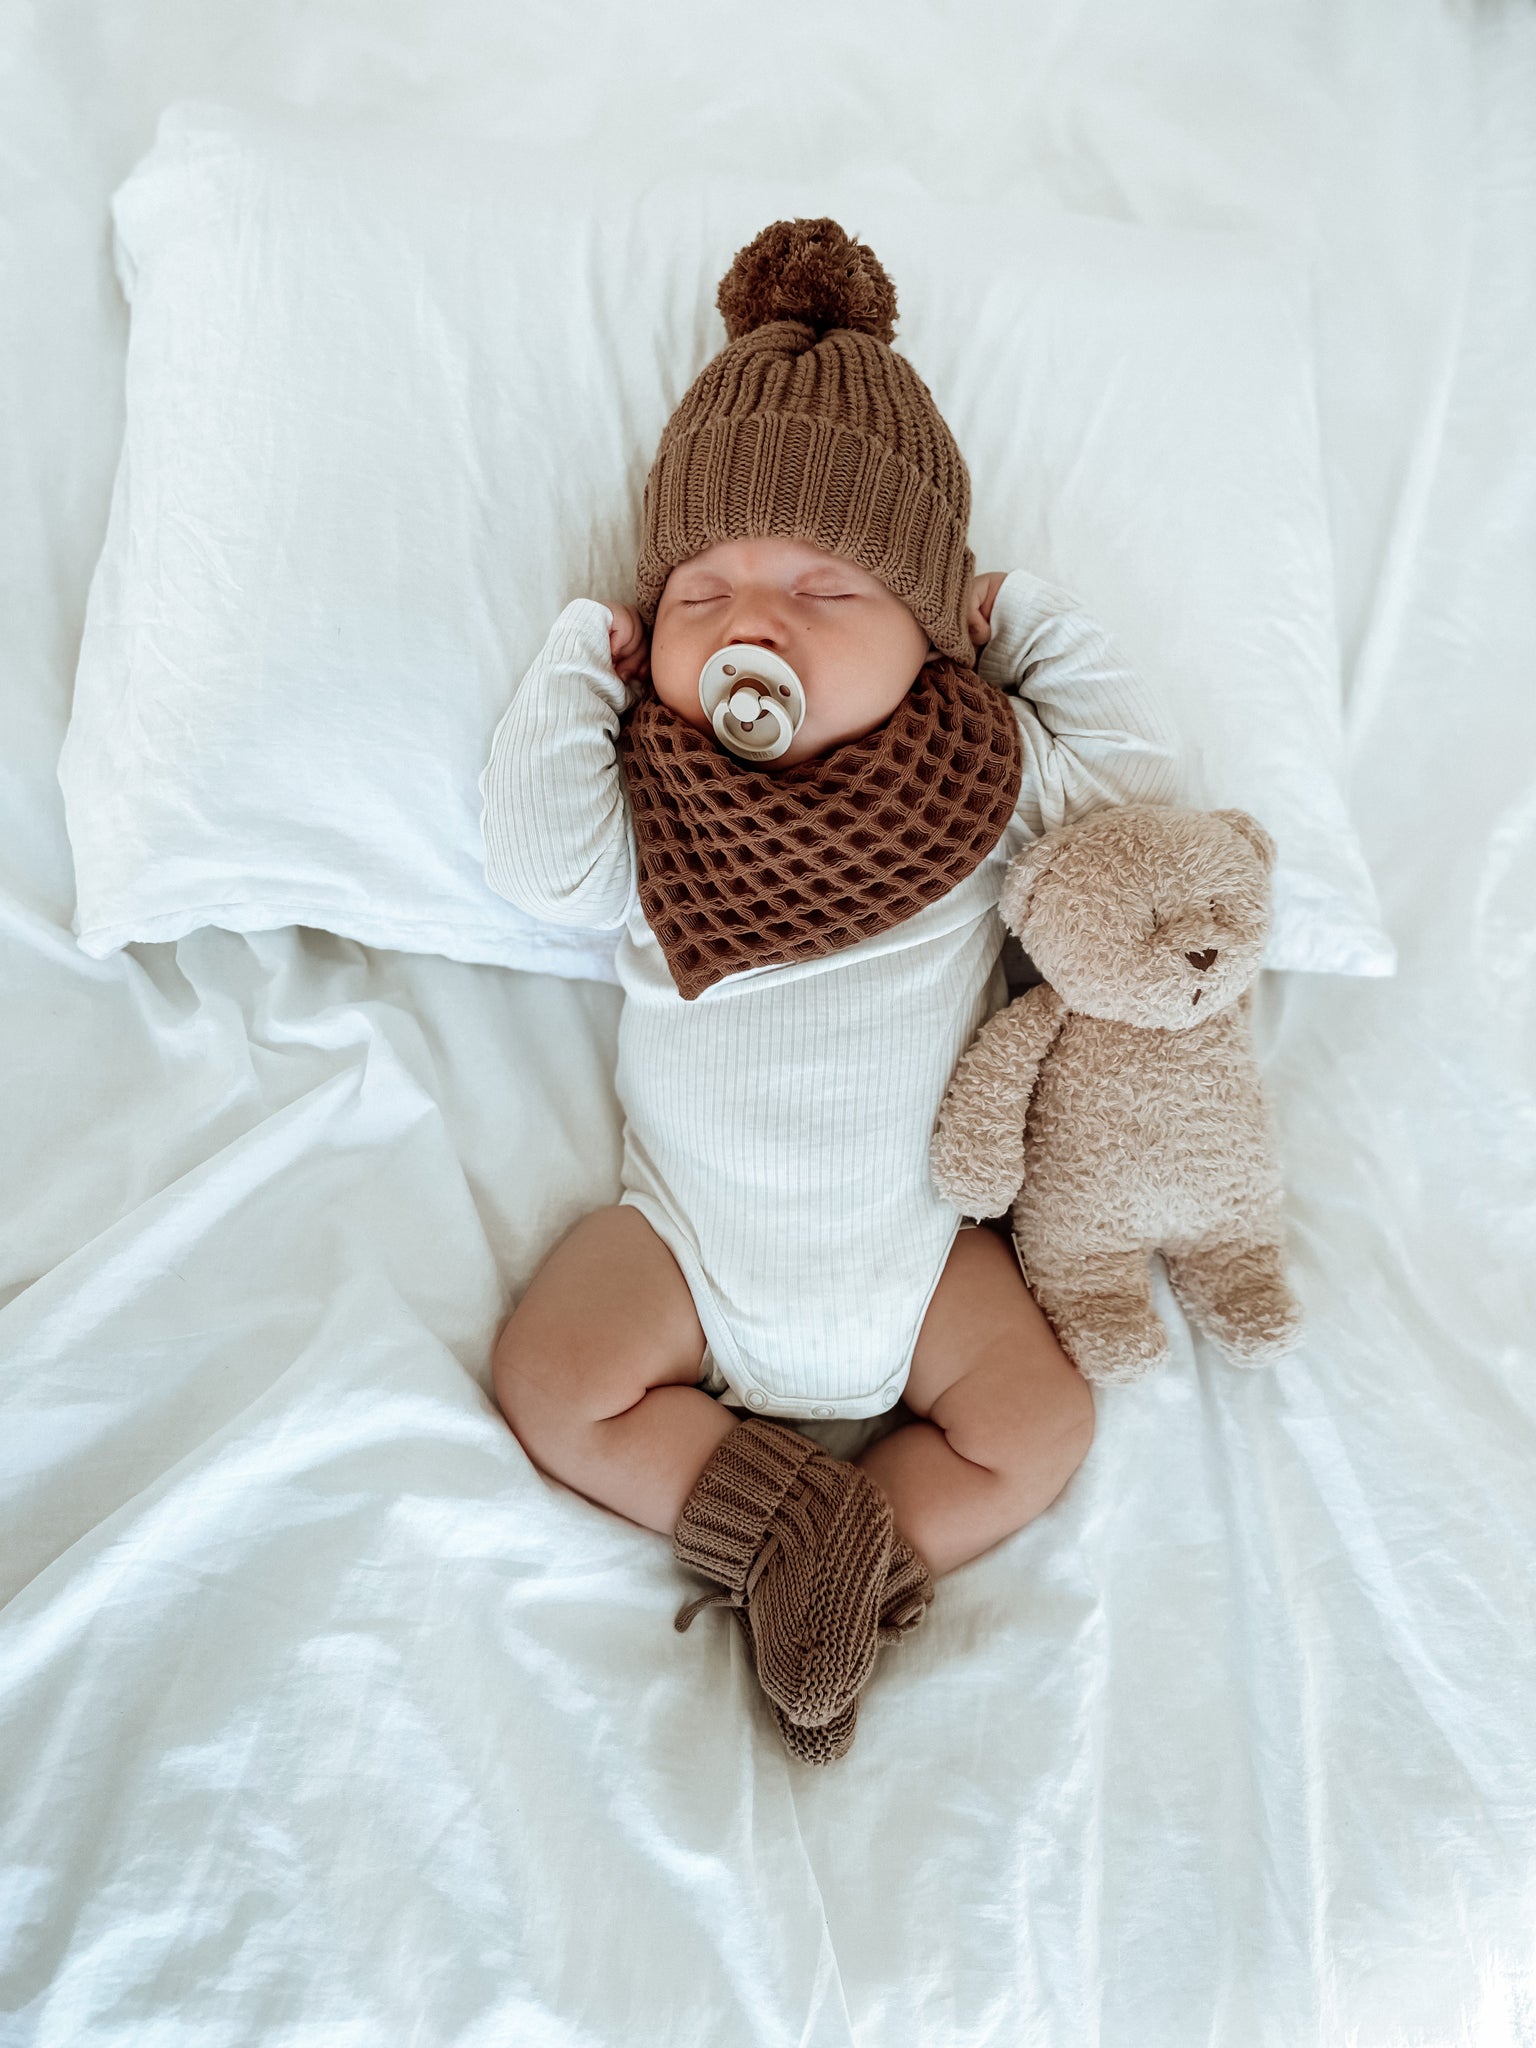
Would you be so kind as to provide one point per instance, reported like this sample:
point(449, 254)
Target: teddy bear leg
point(1101, 1310)
point(1236, 1291)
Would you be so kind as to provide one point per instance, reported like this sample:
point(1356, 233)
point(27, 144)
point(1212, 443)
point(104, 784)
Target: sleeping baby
point(790, 777)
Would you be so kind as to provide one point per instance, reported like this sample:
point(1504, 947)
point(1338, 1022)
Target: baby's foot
point(803, 1543)
point(823, 1745)
point(908, 1593)
point(815, 1591)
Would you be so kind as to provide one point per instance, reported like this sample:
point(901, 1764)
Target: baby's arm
point(556, 834)
point(1094, 730)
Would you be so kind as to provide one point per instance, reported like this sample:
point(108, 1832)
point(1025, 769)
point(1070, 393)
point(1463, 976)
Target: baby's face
point(850, 640)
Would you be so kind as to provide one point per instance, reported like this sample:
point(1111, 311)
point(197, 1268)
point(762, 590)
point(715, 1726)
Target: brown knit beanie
point(808, 425)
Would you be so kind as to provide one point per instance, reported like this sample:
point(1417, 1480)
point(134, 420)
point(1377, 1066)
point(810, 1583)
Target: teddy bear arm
point(977, 1153)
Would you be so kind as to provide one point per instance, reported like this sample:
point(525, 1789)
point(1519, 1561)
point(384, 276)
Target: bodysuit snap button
point(758, 1400)
point(821, 1411)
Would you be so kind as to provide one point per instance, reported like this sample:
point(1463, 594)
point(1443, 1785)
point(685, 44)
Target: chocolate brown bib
point(743, 867)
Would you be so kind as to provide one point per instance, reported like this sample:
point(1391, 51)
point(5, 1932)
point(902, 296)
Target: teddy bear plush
point(1117, 1106)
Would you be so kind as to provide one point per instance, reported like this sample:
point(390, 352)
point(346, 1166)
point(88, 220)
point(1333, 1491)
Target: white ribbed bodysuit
point(776, 1128)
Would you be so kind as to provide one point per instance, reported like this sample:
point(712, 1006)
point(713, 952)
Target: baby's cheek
point(679, 695)
point(670, 668)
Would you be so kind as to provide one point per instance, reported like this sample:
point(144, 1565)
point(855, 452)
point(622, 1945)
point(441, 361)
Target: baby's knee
point(507, 1383)
point(1046, 1431)
point(552, 1377)
point(537, 1380)
point(1075, 1421)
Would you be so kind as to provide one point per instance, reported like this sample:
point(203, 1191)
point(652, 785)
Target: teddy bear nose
point(1201, 960)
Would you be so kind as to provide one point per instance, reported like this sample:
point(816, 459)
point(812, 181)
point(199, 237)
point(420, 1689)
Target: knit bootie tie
point(908, 1590)
point(803, 1541)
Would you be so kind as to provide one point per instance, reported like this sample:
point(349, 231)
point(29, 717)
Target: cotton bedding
point(323, 1717)
point(390, 399)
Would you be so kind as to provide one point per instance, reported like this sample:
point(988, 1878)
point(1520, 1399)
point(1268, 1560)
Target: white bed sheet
point(323, 1717)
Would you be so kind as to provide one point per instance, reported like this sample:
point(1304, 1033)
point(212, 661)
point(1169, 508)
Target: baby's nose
point(1202, 960)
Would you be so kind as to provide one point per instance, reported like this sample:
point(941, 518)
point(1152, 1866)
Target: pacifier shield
point(753, 699)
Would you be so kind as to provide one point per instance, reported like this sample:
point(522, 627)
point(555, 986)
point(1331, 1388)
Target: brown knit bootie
point(803, 1541)
point(806, 1745)
point(908, 1590)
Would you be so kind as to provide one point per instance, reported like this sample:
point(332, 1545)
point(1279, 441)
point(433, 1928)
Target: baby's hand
point(983, 596)
point(629, 644)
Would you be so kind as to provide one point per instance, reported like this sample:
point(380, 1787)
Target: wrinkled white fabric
point(324, 1719)
point(391, 398)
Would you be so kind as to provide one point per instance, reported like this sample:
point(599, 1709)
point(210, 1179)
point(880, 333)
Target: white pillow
point(391, 403)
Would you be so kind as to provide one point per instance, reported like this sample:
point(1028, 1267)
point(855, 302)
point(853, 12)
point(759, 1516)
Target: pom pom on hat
point(809, 424)
point(810, 271)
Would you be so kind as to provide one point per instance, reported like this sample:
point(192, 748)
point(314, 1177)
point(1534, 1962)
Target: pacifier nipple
point(753, 699)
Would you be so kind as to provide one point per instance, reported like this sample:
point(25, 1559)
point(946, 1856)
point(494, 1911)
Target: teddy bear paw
point(972, 1182)
point(1239, 1298)
point(1111, 1338)
point(1258, 1330)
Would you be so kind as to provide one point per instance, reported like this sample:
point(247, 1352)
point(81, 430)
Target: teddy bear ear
point(1024, 871)
point(1251, 830)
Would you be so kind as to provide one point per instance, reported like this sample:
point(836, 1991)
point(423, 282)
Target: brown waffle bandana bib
point(742, 867)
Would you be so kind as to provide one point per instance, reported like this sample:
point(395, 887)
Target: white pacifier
point(753, 699)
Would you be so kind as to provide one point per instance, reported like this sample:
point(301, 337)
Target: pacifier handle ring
point(784, 732)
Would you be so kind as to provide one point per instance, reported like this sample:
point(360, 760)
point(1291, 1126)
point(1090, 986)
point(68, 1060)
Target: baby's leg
point(595, 1371)
point(1009, 1418)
